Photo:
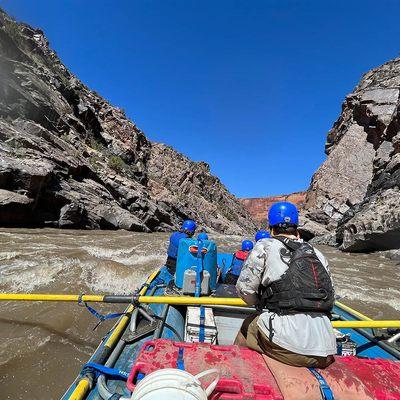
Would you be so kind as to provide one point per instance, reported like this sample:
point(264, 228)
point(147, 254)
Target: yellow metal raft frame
point(85, 384)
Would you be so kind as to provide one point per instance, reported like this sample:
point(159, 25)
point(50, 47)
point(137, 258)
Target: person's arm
point(174, 239)
point(251, 275)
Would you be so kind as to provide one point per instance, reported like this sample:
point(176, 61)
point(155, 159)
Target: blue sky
point(251, 87)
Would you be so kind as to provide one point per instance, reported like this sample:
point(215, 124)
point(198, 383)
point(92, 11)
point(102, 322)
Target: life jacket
point(238, 259)
point(305, 286)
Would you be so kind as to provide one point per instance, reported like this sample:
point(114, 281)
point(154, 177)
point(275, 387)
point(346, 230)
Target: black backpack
point(306, 285)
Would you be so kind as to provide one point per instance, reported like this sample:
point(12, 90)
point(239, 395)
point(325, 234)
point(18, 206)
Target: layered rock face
point(258, 207)
point(189, 186)
point(69, 159)
point(354, 197)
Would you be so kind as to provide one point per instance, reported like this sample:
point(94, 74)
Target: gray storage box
point(192, 326)
point(189, 282)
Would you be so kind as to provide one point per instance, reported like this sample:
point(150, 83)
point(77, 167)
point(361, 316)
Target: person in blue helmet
point(187, 230)
point(237, 262)
point(290, 284)
point(202, 236)
point(261, 234)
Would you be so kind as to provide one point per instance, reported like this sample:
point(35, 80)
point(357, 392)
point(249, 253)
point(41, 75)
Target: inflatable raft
point(169, 351)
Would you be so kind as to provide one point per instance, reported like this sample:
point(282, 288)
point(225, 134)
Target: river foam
point(117, 262)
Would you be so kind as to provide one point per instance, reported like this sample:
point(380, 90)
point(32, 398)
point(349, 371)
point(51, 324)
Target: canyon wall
point(354, 197)
point(70, 159)
point(258, 207)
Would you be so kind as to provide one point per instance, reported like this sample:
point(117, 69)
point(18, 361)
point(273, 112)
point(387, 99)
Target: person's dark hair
point(189, 233)
point(284, 229)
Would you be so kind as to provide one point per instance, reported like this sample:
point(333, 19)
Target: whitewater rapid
point(43, 345)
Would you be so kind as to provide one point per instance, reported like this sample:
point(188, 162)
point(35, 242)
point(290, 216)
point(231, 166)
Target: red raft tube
point(248, 375)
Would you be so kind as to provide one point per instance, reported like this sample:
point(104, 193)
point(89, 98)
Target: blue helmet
point(262, 235)
point(189, 225)
point(283, 213)
point(247, 245)
point(202, 236)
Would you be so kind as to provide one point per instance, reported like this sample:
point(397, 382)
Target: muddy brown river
point(43, 345)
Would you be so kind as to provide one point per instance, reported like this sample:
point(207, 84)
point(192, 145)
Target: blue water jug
point(187, 259)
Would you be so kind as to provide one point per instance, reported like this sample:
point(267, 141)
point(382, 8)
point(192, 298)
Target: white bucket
point(171, 383)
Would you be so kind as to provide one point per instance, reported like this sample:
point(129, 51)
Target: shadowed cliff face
point(69, 159)
point(354, 197)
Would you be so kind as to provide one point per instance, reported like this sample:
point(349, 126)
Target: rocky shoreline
point(69, 159)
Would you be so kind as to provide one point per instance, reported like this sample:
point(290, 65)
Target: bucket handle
point(214, 383)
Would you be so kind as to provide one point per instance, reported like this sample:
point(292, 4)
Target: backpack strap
point(233, 260)
point(291, 244)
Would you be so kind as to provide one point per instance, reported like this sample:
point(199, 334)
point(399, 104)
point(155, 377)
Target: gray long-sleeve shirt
point(303, 333)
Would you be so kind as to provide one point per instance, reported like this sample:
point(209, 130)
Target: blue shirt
point(174, 243)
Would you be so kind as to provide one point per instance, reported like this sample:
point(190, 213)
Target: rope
point(99, 316)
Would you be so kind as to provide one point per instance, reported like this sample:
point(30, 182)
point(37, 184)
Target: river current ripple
point(43, 345)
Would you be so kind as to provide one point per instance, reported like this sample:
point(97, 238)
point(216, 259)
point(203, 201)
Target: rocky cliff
point(69, 159)
point(258, 207)
point(354, 197)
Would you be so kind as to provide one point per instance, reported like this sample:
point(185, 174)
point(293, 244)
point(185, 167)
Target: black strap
point(289, 243)
point(288, 294)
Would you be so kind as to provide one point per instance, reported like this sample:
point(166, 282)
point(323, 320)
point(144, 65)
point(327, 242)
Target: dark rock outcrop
point(354, 196)
point(69, 159)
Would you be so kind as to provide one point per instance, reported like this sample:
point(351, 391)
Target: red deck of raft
point(247, 375)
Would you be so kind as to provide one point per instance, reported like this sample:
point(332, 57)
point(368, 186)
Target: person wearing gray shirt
point(291, 280)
